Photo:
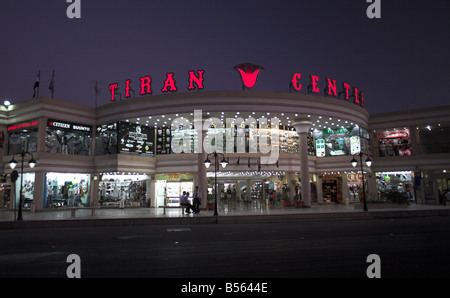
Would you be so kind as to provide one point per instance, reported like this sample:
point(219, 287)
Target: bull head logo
point(249, 73)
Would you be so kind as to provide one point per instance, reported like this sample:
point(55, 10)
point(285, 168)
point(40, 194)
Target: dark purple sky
point(400, 61)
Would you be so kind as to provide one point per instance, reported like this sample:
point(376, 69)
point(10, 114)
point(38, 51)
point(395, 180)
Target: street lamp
point(207, 163)
point(354, 162)
point(13, 164)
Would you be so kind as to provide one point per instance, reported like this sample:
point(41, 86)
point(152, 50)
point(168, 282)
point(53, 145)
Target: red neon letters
point(170, 82)
point(330, 89)
point(195, 82)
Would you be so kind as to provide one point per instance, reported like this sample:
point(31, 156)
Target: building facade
point(148, 150)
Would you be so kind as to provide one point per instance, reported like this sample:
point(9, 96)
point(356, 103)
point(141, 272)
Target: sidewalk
point(249, 213)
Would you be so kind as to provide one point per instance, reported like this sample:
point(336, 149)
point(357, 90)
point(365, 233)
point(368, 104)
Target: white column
point(201, 157)
point(302, 126)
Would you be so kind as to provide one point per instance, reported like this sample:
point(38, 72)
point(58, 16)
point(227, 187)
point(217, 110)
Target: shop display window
point(136, 139)
point(183, 140)
point(66, 190)
point(401, 182)
point(249, 139)
point(394, 143)
point(131, 189)
point(340, 142)
point(163, 140)
point(106, 139)
point(28, 190)
point(22, 136)
point(68, 138)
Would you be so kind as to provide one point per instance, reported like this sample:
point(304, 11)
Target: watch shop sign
point(68, 126)
point(249, 74)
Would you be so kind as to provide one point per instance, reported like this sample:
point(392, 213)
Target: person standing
point(447, 198)
point(122, 199)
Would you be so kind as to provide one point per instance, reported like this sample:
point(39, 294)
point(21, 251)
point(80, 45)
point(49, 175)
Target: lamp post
point(13, 164)
point(207, 163)
point(354, 162)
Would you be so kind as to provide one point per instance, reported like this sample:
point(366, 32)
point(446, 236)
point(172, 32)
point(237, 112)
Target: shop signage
point(249, 73)
point(24, 125)
point(136, 139)
point(175, 177)
point(394, 134)
point(68, 126)
point(330, 89)
point(195, 81)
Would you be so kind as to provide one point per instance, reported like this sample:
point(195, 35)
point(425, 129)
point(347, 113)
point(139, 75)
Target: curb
point(229, 219)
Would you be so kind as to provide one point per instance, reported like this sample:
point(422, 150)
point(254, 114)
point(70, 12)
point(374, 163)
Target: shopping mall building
point(149, 149)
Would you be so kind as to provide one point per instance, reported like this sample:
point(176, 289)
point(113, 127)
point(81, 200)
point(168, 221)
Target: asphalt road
point(415, 247)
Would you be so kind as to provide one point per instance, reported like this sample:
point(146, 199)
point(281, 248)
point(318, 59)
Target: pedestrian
point(122, 199)
point(184, 201)
point(447, 198)
point(197, 199)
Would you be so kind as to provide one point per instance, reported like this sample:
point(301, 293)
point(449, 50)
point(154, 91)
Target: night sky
point(400, 61)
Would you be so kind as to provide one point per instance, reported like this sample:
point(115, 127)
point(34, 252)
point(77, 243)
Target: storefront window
point(136, 139)
point(5, 192)
point(27, 190)
point(132, 189)
point(394, 143)
point(248, 140)
point(68, 138)
point(401, 182)
point(22, 136)
point(125, 138)
point(106, 139)
point(342, 141)
point(66, 190)
point(163, 140)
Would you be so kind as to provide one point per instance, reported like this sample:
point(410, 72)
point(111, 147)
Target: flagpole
point(39, 79)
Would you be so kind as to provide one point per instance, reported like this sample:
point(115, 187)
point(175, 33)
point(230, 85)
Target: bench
point(173, 207)
point(74, 210)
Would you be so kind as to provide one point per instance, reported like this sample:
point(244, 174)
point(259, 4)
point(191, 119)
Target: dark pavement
point(408, 247)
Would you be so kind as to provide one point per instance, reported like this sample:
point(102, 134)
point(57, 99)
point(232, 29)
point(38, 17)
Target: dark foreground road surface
point(414, 247)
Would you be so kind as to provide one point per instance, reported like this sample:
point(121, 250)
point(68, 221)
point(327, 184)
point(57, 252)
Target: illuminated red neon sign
point(195, 82)
point(249, 73)
point(24, 125)
point(330, 89)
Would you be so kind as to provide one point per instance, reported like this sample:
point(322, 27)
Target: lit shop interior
point(131, 187)
point(66, 190)
point(176, 134)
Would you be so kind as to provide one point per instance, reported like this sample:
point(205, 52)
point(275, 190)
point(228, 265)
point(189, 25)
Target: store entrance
point(170, 187)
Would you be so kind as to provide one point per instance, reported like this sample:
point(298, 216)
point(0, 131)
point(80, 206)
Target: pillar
point(302, 126)
point(345, 191)
point(38, 192)
point(248, 196)
point(151, 190)
point(201, 157)
point(94, 187)
point(319, 189)
point(238, 190)
point(372, 188)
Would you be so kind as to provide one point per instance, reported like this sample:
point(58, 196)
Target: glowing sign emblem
point(249, 73)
